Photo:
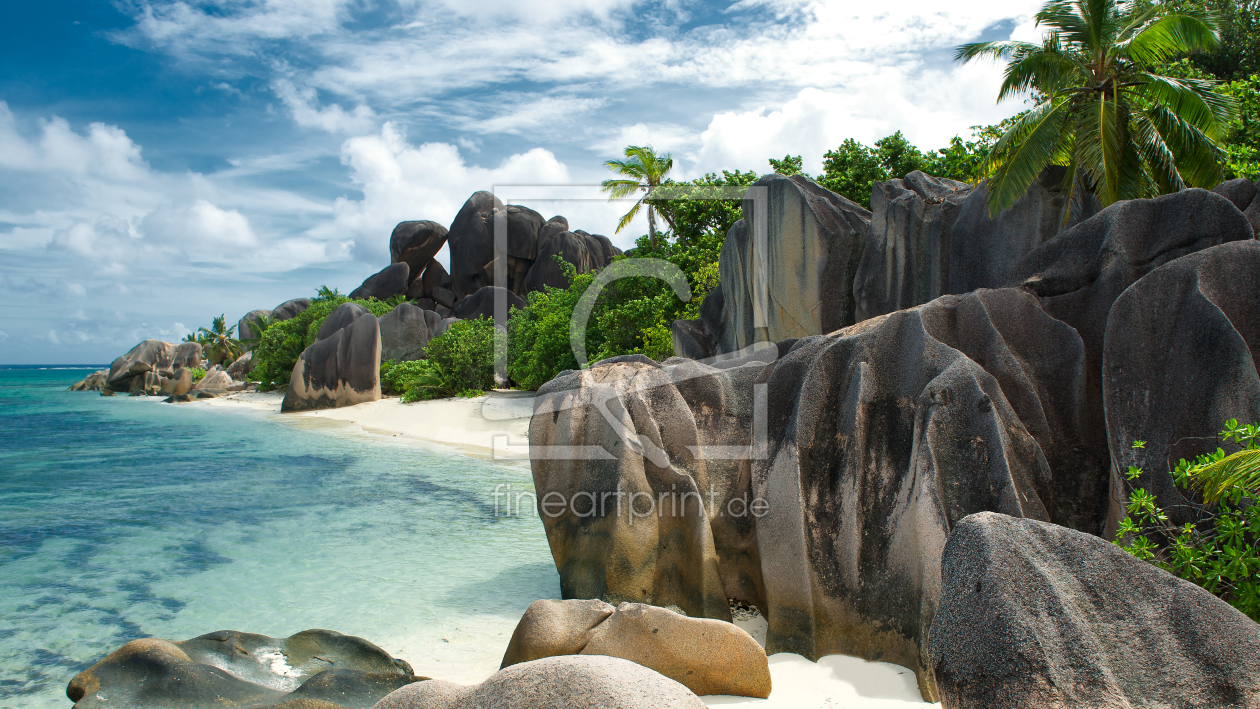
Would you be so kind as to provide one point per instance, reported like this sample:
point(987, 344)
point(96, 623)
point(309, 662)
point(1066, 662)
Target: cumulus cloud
point(304, 105)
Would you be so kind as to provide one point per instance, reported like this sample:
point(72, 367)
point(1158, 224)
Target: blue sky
point(164, 162)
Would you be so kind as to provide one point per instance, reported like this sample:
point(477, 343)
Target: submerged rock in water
point(1035, 616)
point(572, 682)
point(707, 656)
point(230, 668)
point(92, 382)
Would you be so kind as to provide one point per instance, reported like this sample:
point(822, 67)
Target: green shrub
point(418, 380)
point(461, 360)
point(539, 346)
point(197, 374)
point(283, 342)
point(1218, 551)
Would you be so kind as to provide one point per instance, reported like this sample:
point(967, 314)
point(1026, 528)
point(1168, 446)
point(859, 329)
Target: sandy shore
point(497, 425)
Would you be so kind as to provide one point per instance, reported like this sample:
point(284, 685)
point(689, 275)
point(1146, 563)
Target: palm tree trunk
point(652, 226)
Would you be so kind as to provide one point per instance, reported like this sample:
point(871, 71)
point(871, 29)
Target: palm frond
point(620, 189)
point(1023, 152)
point(1199, 158)
point(993, 50)
point(1161, 163)
point(629, 216)
point(1193, 101)
point(1242, 469)
point(1170, 37)
point(1046, 70)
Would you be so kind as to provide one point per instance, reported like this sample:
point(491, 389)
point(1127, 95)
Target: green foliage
point(1242, 149)
point(643, 171)
point(419, 380)
point(789, 165)
point(217, 341)
point(1237, 56)
point(693, 215)
point(851, 170)
point(463, 358)
point(197, 374)
point(1123, 130)
point(280, 346)
point(1219, 552)
point(538, 336)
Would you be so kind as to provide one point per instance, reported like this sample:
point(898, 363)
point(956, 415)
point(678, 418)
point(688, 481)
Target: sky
point(164, 162)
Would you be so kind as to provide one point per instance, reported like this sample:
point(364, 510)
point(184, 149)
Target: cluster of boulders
point(873, 379)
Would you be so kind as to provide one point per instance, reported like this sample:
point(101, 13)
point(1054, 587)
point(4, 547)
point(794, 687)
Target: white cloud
point(200, 230)
point(304, 105)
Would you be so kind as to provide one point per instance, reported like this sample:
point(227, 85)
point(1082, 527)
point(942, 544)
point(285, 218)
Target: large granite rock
point(147, 384)
point(1035, 616)
point(340, 319)
point(241, 367)
point(215, 379)
point(180, 383)
point(187, 354)
point(481, 303)
point(471, 243)
point(905, 261)
point(984, 250)
point(227, 668)
point(405, 331)
point(706, 656)
point(585, 251)
point(1179, 361)
point(342, 369)
point(1244, 195)
point(386, 283)
point(877, 439)
point(150, 355)
point(244, 331)
point(571, 682)
point(803, 284)
point(290, 309)
point(434, 277)
point(415, 244)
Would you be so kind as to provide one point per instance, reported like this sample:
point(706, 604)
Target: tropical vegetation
point(1220, 548)
point(642, 172)
point(1103, 109)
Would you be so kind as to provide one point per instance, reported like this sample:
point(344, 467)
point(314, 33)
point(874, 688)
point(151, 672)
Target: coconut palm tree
point(646, 171)
point(1123, 130)
point(218, 341)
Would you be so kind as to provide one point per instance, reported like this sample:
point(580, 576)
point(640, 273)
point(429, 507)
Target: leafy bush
point(197, 374)
point(538, 336)
point(417, 380)
point(283, 342)
point(1219, 551)
point(463, 358)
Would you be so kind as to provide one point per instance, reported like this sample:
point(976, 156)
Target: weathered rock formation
point(405, 331)
point(481, 303)
point(242, 366)
point(148, 356)
point(802, 285)
point(290, 309)
point(314, 669)
point(471, 243)
point(180, 383)
point(587, 252)
point(215, 379)
point(244, 331)
point(387, 283)
point(339, 319)
point(1035, 616)
point(187, 354)
point(342, 368)
point(415, 244)
point(1244, 195)
point(706, 656)
point(92, 382)
point(1179, 361)
point(905, 261)
point(573, 682)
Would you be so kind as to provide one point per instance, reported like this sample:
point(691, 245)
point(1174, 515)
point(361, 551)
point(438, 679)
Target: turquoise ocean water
point(122, 518)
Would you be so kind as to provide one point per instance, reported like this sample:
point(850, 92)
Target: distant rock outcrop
point(586, 252)
point(572, 682)
point(387, 283)
point(1035, 616)
point(415, 244)
point(290, 309)
point(471, 243)
point(148, 356)
point(481, 303)
point(314, 669)
point(341, 369)
point(215, 380)
point(905, 261)
point(187, 354)
point(244, 331)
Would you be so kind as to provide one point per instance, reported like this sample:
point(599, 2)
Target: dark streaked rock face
point(405, 331)
point(481, 303)
point(1034, 615)
point(572, 682)
point(415, 244)
point(1240, 192)
point(340, 370)
point(243, 329)
point(471, 243)
point(230, 668)
point(905, 261)
point(386, 283)
point(1179, 361)
point(340, 318)
point(150, 355)
point(242, 366)
point(290, 309)
point(587, 252)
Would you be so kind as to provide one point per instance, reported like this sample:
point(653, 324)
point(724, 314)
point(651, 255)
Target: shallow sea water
point(123, 518)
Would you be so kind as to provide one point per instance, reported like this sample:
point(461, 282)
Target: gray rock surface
point(405, 331)
point(150, 355)
point(181, 382)
point(290, 308)
point(1179, 361)
point(187, 354)
point(481, 303)
point(570, 682)
point(415, 244)
point(92, 382)
point(585, 251)
point(340, 318)
point(471, 243)
point(386, 283)
point(341, 370)
point(905, 261)
point(322, 668)
point(1240, 192)
point(242, 366)
point(216, 378)
point(1034, 615)
point(244, 331)
point(984, 250)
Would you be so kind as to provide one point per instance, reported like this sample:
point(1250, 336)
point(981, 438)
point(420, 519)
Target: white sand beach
point(497, 425)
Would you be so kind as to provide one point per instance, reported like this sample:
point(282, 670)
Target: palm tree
point(326, 293)
point(218, 340)
point(1122, 130)
point(646, 170)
